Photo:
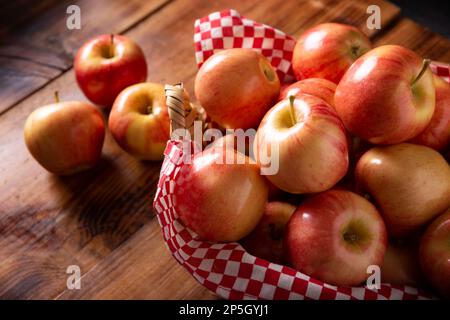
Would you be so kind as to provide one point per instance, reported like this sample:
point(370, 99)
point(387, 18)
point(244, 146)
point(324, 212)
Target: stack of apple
point(67, 137)
point(359, 136)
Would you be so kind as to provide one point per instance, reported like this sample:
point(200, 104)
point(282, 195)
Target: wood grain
point(102, 219)
point(41, 48)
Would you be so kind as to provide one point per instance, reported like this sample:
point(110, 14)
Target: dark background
point(434, 14)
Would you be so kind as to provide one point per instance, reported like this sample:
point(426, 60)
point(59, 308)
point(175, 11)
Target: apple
point(65, 137)
point(335, 236)
point(387, 96)
point(401, 265)
point(139, 121)
point(308, 140)
point(410, 184)
point(437, 134)
point(434, 254)
point(107, 64)
point(236, 87)
point(266, 240)
point(321, 88)
point(219, 200)
point(327, 51)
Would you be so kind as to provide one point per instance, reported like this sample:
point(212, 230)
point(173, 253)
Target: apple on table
point(107, 64)
point(65, 137)
point(139, 121)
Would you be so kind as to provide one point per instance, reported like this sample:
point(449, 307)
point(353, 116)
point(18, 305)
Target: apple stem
point(292, 109)
point(111, 47)
point(425, 64)
point(56, 95)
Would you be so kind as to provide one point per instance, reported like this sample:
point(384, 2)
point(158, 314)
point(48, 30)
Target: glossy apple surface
point(105, 66)
point(139, 121)
point(435, 254)
point(65, 137)
point(221, 202)
point(379, 98)
point(410, 184)
point(266, 240)
point(320, 88)
point(312, 153)
point(437, 134)
point(328, 50)
point(236, 87)
point(335, 236)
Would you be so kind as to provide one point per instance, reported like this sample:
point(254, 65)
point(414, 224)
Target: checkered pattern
point(228, 29)
point(226, 268)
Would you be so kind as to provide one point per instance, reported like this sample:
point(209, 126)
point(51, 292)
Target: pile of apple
point(359, 138)
point(67, 137)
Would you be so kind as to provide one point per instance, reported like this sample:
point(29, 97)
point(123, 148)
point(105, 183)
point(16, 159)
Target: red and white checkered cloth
point(226, 268)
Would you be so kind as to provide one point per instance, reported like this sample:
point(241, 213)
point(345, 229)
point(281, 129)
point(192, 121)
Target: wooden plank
point(167, 40)
point(42, 48)
point(130, 272)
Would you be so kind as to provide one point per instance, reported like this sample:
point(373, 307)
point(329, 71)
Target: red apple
point(437, 134)
point(236, 87)
point(317, 87)
point(335, 236)
point(107, 64)
point(435, 254)
point(65, 137)
point(139, 121)
point(410, 183)
point(401, 265)
point(328, 50)
point(220, 201)
point(387, 96)
point(266, 240)
point(307, 140)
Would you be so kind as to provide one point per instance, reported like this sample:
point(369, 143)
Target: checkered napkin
point(226, 268)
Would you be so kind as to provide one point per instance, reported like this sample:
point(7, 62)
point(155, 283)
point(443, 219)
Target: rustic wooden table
point(102, 220)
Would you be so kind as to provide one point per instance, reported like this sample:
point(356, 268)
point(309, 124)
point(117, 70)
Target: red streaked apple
point(65, 137)
point(435, 254)
point(335, 236)
point(387, 96)
point(437, 134)
point(220, 201)
point(266, 240)
point(410, 184)
point(327, 51)
point(236, 87)
point(308, 140)
point(139, 121)
point(401, 265)
point(107, 64)
point(320, 88)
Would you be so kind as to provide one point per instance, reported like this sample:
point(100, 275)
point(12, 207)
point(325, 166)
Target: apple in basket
point(307, 138)
point(437, 134)
point(220, 194)
point(328, 50)
point(65, 137)
point(387, 96)
point(107, 64)
point(435, 254)
point(236, 87)
point(139, 121)
point(266, 240)
point(335, 236)
point(321, 88)
point(410, 184)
